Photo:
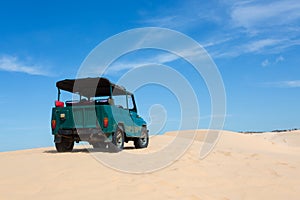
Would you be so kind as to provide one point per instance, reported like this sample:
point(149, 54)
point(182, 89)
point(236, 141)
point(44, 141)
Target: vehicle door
point(137, 120)
point(122, 115)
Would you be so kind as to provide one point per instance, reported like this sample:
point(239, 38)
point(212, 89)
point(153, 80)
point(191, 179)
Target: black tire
point(65, 145)
point(118, 140)
point(143, 141)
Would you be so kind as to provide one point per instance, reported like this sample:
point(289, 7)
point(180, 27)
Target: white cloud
point(193, 52)
point(165, 21)
point(291, 84)
point(265, 63)
point(216, 42)
point(277, 21)
point(285, 84)
point(270, 26)
point(215, 116)
point(157, 59)
point(279, 59)
point(258, 45)
point(12, 64)
point(255, 15)
point(184, 15)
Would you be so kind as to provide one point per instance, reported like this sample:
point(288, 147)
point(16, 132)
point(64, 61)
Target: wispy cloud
point(184, 15)
point(249, 26)
point(216, 116)
point(284, 84)
point(161, 58)
point(165, 21)
point(265, 63)
point(258, 45)
point(258, 15)
point(163, 42)
point(277, 60)
point(12, 64)
point(192, 52)
point(270, 26)
point(292, 84)
point(212, 43)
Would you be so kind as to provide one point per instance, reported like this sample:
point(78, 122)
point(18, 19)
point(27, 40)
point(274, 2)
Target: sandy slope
point(257, 166)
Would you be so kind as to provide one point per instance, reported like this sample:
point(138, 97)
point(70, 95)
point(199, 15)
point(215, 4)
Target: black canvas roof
point(91, 87)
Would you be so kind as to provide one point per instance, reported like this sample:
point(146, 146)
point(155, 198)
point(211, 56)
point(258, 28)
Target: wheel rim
point(143, 141)
point(144, 138)
point(119, 139)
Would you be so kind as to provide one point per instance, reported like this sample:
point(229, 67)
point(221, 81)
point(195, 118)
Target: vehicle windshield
point(121, 101)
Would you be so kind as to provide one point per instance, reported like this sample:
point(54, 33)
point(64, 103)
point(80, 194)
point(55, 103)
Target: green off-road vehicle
point(103, 114)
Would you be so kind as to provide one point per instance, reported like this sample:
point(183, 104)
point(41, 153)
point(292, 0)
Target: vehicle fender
point(121, 126)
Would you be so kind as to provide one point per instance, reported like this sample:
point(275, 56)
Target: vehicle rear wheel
point(143, 141)
point(118, 140)
point(65, 145)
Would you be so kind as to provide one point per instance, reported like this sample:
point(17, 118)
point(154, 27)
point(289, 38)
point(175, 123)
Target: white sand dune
point(241, 166)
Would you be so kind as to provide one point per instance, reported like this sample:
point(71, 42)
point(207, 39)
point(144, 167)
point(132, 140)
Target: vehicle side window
point(120, 101)
point(130, 102)
point(76, 97)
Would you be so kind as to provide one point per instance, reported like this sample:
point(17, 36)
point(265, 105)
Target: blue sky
point(255, 44)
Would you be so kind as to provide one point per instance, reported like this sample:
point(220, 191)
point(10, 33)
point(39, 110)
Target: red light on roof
point(59, 104)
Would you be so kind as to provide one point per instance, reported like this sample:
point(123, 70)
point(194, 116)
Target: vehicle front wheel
point(143, 141)
point(64, 145)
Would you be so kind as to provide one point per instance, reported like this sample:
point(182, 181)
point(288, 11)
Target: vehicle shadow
point(82, 150)
point(88, 150)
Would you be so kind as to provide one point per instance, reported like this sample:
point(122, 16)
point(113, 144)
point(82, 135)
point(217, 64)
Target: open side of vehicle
point(104, 114)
